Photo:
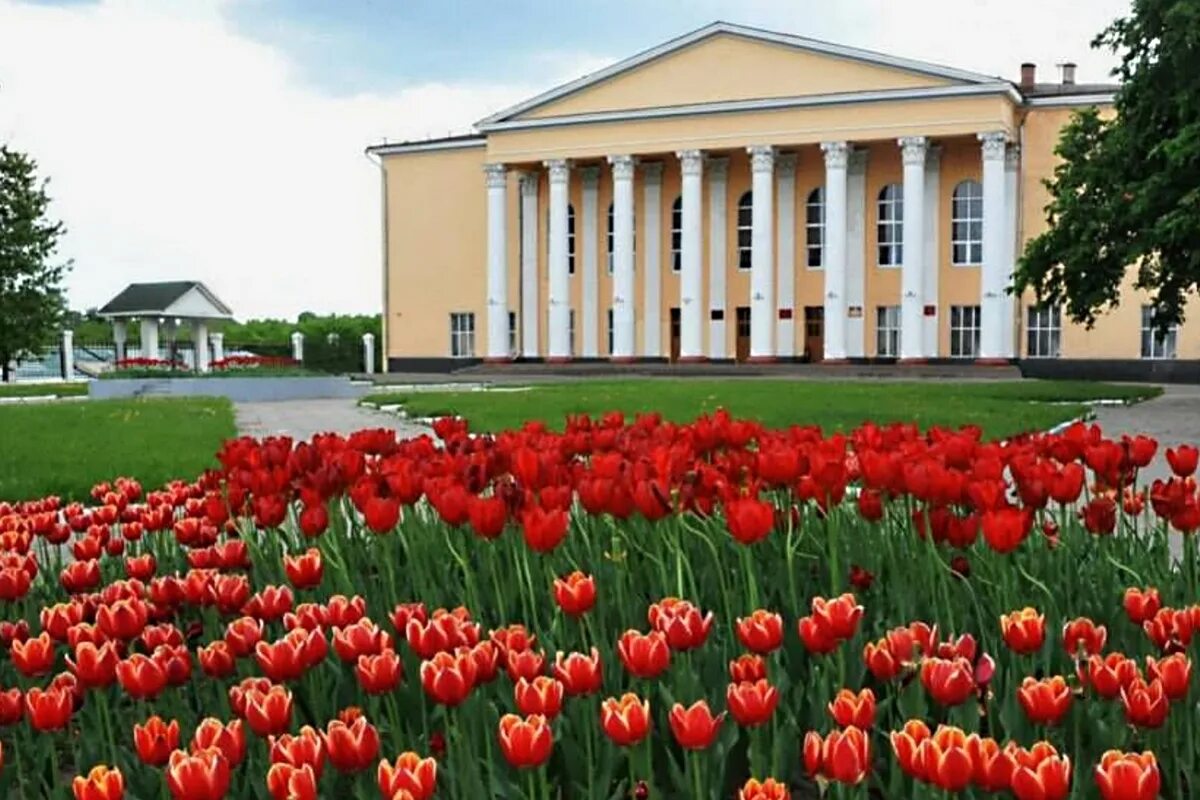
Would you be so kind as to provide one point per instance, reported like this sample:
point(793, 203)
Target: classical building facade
point(738, 194)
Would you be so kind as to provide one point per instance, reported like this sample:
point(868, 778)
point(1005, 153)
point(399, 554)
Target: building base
point(993, 362)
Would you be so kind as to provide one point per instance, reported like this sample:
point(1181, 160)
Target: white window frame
point(570, 239)
point(814, 229)
point(462, 334)
point(744, 251)
point(1043, 332)
point(1157, 346)
point(965, 330)
point(966, 220)
point(677, 235)
point(887, 331)
point(889, 226)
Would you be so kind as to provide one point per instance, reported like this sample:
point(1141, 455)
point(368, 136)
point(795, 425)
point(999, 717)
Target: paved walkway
point(1172, 419)
point(302, 419)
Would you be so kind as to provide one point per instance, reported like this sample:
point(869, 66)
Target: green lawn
point(1000, 408)
point(65, 448)
point(41, 389)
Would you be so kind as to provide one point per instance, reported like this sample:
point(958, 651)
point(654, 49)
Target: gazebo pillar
point(119, 335)
point(150, 337)
point(200, 344)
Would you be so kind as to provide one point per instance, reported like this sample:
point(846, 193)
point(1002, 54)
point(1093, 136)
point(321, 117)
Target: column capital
point(785, 164)
point(529, 183)
point(933, 155)
point(762, 157)
point(652, 171)
point(912, 149)
point(718, 167)
point(691, 162)
point(589, 176)
point(994, 144)
point(837, 154)
point(1012, 157)
point(857, 160)
point(559, 169)
point(496, 175)
point(622, 166)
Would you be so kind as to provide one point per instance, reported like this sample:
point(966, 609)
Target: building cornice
point(424, 147)
point(1072, 100)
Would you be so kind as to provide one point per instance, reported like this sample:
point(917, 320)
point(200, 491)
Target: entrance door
point(743, 332)
point(676, 325)
point(814, 333)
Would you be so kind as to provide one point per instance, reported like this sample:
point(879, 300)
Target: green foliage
point(1128, 190)
point(31, 302)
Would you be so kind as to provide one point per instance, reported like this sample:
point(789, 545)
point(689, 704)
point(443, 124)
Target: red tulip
point(747, 667)
point(203, 775)
point(285, 659)
point(12, 706)
point(306, 748)
point(1041, 774)
point(543, 530)
point(381, 513)
point(770, 789)
point(1183, 459)
point(379, 674)
point(1128, 776)
point(843, 756)
point(526, 664)
point(1045, 701)
point(243, 635)
point(542, 696)
point(644, 655)
point(527, 742)
point(684, 625)
point(229, 738)
point(695, 727)
point(839, 616)
point(575, 593)
point(33, 657)
point(992, 765)
point(269, 713)
point(850, 709)
point(141, 677)
point(761, 632)
point(1082, 632)
point(306, 570)
point(749, 519)
point(1174, 672)
point(906, 744)
point(626, 721)
point(578, 673)
point(1145, 704)
point(448, 677)
point(49, 710)
point(1024, 631)
point(314, 520)
point(949, 681)
point(289, 782)
point(155, 740)
point(217, 660)
point(101, 783)
point(944, 759)
point(411, 773)
point(488, 515)
point(94, 666)
point(351, 747)
point(751, 704)
point(1141, 605)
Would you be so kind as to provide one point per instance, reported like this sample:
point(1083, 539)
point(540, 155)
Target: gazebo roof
point(185, 299)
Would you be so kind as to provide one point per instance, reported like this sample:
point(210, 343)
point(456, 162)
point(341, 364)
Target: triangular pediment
point(729, 63)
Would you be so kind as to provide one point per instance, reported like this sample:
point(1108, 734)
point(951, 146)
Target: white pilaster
point(217, 341)
point(530, 285)
point(691, 278)
point(200, 344)
point(119, 336)
point(785, 254)
point(718, 169)
point(837, 155)
point(652, 259)
point(68, 355)
point(496, 178)
point(933, 242)
point(149, 331)
point(298, 347)
point(855, 285)
point(590, 176)
point(992, 280)
point(912, 270)
point(762, 253)
point(1011, 303)
point(559, 298)
point(623, 288)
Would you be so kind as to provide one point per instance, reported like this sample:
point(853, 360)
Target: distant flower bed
point(231, 367)
point(149, 364)
point(253, 362)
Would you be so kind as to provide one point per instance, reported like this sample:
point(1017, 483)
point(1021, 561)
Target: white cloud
point(178, 149)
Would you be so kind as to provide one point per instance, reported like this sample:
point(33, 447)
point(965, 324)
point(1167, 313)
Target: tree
point(31, 301)
point(1127, 192)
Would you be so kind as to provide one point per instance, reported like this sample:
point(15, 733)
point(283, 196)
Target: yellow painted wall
point(747, 69)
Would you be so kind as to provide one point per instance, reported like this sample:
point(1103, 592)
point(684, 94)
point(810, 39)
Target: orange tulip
point(1041, 774)
point(33, 657)
point(945, 760)
point(1045, 701)
point(289, 782)
point(578, 673)
point(526, 742)
point(1024, 631)
point(1108, 674)
point(203, 775)
point(843, 756)
point(229, 738)
point(50, 709)
point(849, 709)
point(906, 744)
point(155, 741)
point(626, 721)
point(1145, 704)
point(1128, 776)
point(101, 783)
point(991, 765)
point(770, 789)
point(542, 696)
point(411, 773)
point(306, 748)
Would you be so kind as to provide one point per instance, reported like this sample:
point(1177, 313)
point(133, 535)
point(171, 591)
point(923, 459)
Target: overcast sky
point(222, 140)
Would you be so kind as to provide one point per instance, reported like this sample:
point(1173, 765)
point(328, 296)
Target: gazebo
point(167, 305)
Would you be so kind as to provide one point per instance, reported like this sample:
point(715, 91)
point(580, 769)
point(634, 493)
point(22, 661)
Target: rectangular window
point(745, 231)
point(814, 226)
point(889, 229)
point(677, 235)
point(512, 333)
point(743, 321)
point(462, 335)
point(610, 331)
point(887, 331)
point(1155, 343)
point(1043, 333)
point(571, 332)
point(964, 331)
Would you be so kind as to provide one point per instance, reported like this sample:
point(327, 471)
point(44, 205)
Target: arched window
point(570, 239)
point(745, 226)
point(890, 226)
point(677, 234)
point(610, 238)
point(966, 224)
point(814, 225)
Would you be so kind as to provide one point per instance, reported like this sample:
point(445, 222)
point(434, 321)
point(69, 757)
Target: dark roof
point(139, 298)
point(1072, 89)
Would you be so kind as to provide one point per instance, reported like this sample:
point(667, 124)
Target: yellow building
point(739, 194)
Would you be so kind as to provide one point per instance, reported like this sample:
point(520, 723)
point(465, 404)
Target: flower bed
point(644, 610)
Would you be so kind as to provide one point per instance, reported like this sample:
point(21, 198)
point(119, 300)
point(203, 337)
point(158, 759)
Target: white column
point(560, 286)
point(530, 285)
point(691, 276)
point(200, 344)
point(837, 155)
point(651, 240)
point(298, 347)
point(119, 336)
point(854, 285)
point(587, 245)
point(1011, 303)
point(912, 270)
point(785, 250)
point(149, 331)
point(992, 278)
point(762, 253)
point(217, 340)
point(497, 262)
point(68, 355)
point(718, 169)
point(368, 353)
point(622, 283)
point(933, 242)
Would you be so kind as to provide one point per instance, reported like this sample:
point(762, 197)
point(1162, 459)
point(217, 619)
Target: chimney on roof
point(1028, 75)
point(1068, 73)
